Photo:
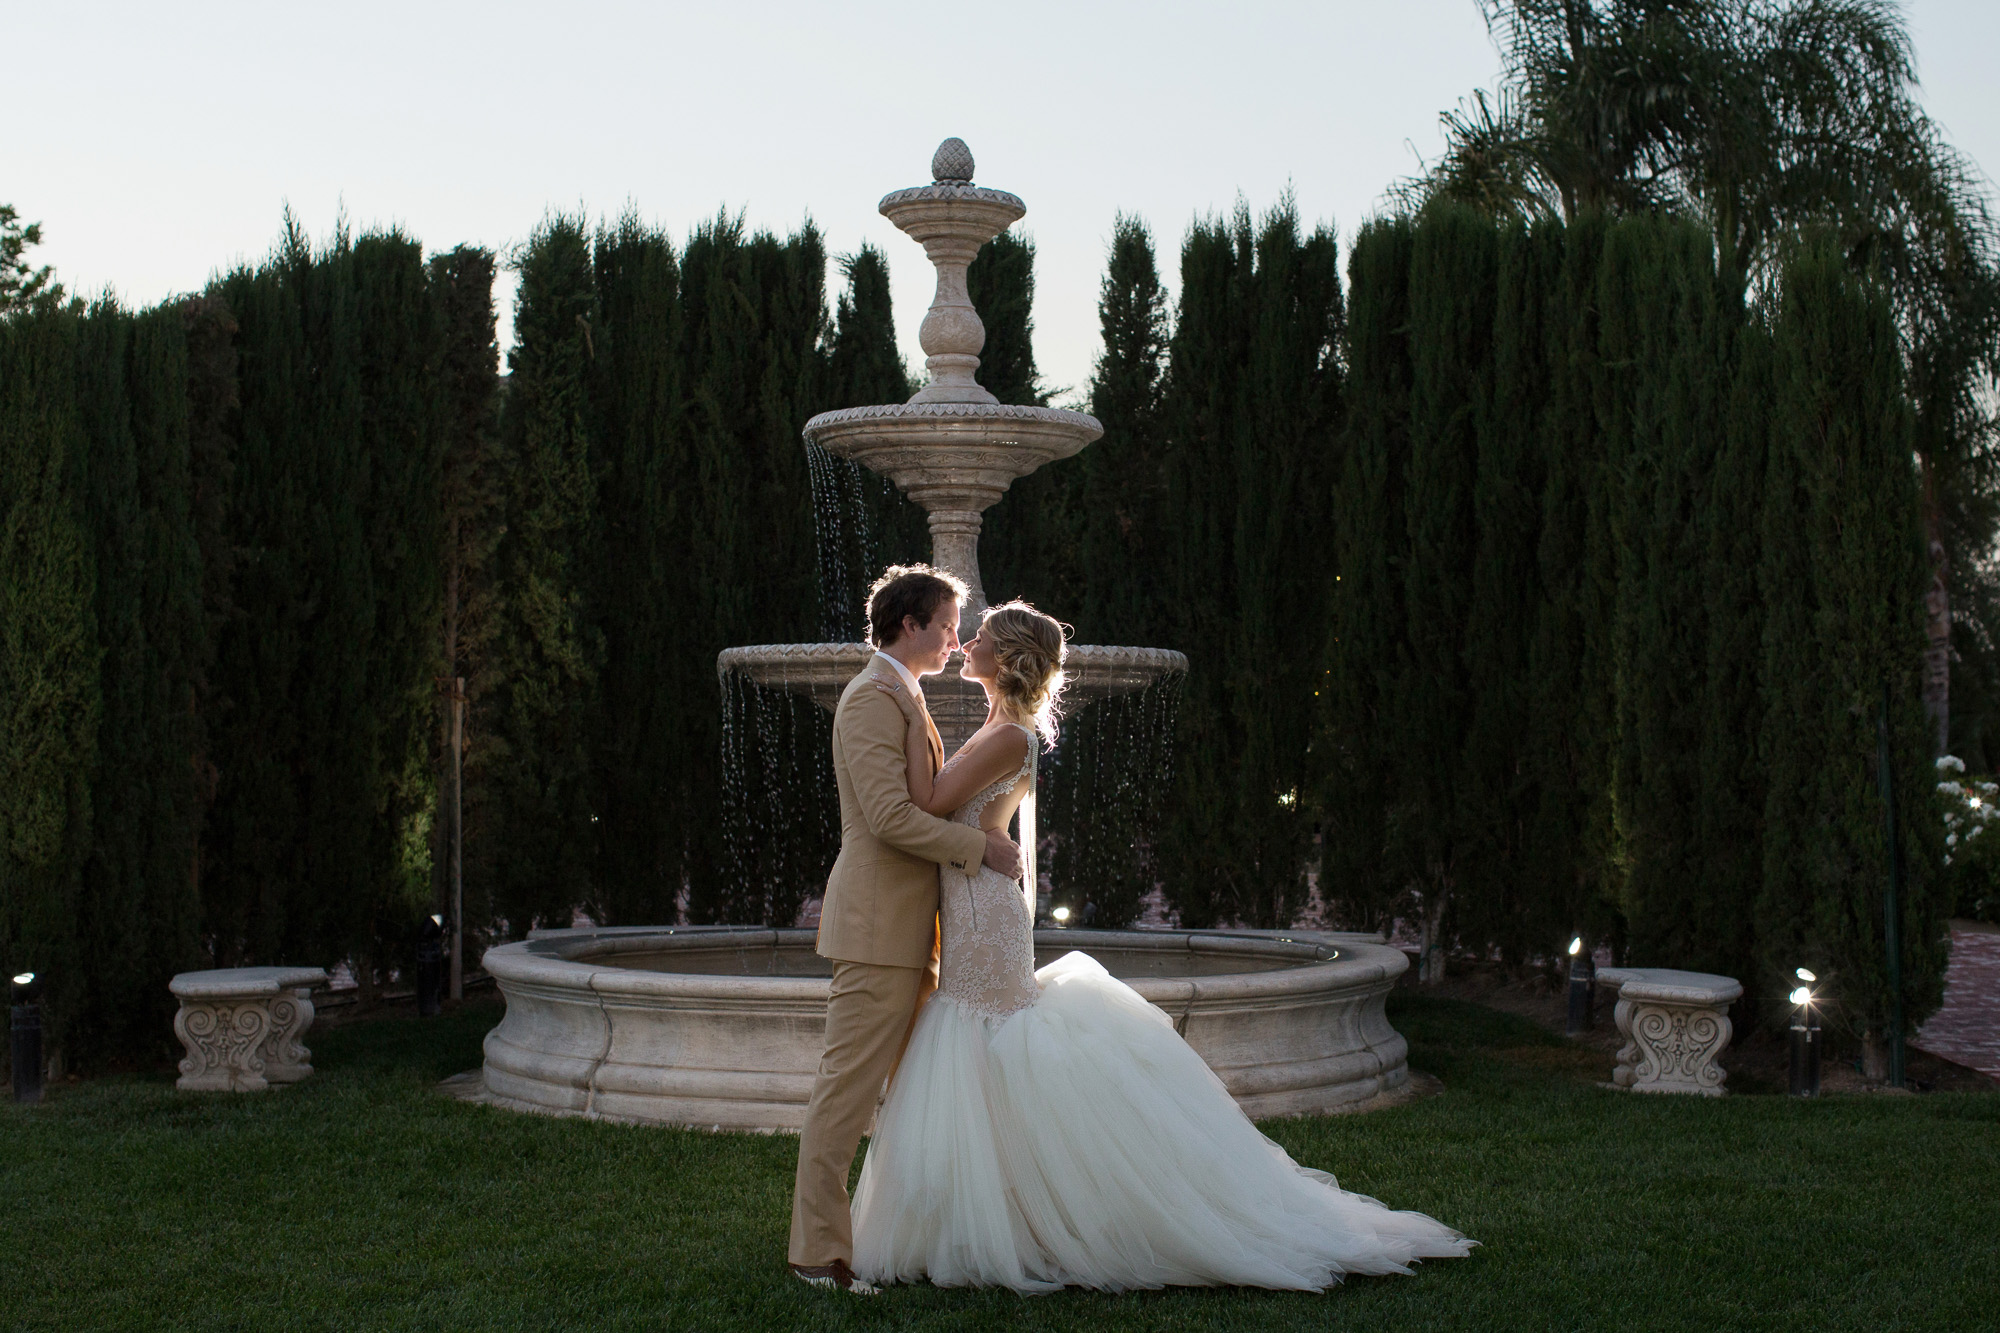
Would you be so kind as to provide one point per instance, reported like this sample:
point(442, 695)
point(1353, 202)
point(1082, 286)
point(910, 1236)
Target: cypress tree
point(1121, 473)
point(548, 652)
point(1666, 349)
point(50, 701)
point(401, 433)
point(1355, 746)
point(754, 329)
point(1569, 684)
point(472, 493)
point(139, 913)
point(1105, 783)
point(1452, 286)
point(650, 678)
point(322, 675)
point(1251, 411)
point(1843, 573)
point(1029, 545)
point(863, 521)
point(1498, 899)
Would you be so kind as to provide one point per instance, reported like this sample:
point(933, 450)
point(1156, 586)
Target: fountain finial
point(951, 164)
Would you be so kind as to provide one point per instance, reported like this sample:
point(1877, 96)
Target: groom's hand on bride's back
point(1002, 854)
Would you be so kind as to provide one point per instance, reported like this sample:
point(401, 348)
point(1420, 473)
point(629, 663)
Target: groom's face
point(930, 646)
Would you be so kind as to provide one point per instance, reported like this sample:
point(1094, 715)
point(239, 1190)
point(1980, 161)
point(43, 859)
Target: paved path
point(1966, 1030)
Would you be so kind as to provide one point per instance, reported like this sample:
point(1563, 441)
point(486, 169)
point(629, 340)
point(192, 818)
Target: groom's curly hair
point(908, 590)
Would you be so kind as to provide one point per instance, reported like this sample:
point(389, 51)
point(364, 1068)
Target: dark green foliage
point(1843, 576)
point(1028, 547)
point(1001, 285)
point(754, 327)
point(862, 521)
point(50, 694)
point(647, 788)
point(1571, 849)
point(544, 687)
point(1121, 474)
point(23, 287)
point(1664, 391)
point(1355, 750)
point(472, 492)
point(1250, 412)
point(318, 839)
point(139, 911)
point(1106, 782)
point(1453, 280)
point(1501, 897)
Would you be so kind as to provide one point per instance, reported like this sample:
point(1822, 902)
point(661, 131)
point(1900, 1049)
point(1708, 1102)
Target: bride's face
point(979, 659)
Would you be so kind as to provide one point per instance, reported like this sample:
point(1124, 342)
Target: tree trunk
point(1937, 651)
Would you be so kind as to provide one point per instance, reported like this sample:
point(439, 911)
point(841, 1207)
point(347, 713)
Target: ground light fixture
point(27, 1048)
point(1805, 1039)
point(1582, 980)
point(1061, 914)
point(430, 966)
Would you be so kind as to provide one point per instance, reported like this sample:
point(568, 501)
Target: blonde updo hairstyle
point(1028, 653)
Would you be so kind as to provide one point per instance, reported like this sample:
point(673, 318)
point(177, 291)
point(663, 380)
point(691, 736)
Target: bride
point(1049, 1129)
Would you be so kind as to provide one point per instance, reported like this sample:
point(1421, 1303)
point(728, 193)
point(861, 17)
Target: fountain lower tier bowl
point(721, 1027)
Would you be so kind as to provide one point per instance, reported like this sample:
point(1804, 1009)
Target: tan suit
point(879, 925)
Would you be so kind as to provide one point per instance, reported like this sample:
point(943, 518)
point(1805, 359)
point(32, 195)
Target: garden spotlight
point(1805, 1040)
point(1061, 914)
point(1582, 979)
point(26, 1052)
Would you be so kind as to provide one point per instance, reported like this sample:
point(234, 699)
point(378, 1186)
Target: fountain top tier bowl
point(953, 448)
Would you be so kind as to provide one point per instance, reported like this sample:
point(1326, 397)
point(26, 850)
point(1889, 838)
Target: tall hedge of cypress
point(1249, 415)
point(51, 700)
point(139, 912)
point(1843, 577)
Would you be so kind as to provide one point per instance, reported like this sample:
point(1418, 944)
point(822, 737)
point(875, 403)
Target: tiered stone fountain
point(722, 1026)
point(954, 449)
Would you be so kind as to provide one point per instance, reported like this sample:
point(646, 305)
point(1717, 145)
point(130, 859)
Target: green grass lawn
point(363, 1200)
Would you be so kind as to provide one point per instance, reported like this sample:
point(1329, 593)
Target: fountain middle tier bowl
point(822, 670)
point(721, 1027)
point(952, 456)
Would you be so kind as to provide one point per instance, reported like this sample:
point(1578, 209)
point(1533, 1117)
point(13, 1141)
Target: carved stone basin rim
point(722, 1027)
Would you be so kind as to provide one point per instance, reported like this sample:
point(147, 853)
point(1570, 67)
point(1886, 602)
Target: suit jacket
point(882, 898)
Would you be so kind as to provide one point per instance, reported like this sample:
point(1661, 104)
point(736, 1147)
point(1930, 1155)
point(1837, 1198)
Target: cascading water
point(954, 450)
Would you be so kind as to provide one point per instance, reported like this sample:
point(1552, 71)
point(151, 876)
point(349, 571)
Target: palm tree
point(1771, 120)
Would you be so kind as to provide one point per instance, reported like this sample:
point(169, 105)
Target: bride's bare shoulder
point(990, 754)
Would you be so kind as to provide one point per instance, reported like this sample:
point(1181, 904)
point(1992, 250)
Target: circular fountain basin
point(721, 1027)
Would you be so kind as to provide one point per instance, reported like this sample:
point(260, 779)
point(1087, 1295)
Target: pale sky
point(159, 143)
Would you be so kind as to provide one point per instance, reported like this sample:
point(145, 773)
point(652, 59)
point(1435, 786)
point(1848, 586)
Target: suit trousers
point(868, 1020)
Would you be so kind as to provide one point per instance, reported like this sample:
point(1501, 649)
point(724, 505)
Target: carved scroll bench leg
point(222, 1038)
point(286, 1059)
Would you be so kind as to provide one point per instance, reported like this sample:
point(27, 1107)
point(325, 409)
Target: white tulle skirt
point(1081, 1142)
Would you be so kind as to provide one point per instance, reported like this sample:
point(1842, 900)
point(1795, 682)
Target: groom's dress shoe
point(836, 1274)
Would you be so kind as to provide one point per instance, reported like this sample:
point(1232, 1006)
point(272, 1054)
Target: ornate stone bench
point(241, 1026)
point(1675, 1024)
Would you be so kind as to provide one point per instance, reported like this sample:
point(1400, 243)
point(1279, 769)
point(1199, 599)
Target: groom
point(879, 920)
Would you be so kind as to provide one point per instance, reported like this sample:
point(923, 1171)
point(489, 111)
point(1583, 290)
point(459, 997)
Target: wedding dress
point(1049, 1129)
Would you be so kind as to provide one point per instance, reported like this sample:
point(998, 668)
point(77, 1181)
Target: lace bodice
point(987, 958)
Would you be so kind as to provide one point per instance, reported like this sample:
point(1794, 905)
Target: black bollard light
point(1805, 1039)
point(27, 1048)
point(1582, 977)
point(430, 966)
